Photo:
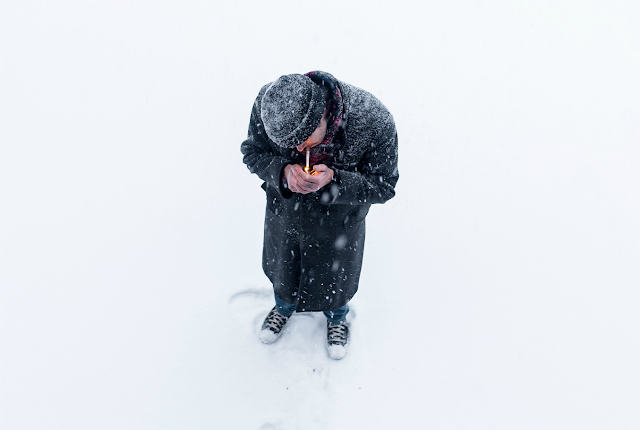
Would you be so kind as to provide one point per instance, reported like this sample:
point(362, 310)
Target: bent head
point(293, 112)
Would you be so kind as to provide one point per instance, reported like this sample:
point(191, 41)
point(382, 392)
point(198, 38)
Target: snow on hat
point(291, 110)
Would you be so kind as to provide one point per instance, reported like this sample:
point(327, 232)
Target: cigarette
point(307, 169)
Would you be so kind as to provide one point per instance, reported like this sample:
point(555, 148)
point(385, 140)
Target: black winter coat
point(313, 243)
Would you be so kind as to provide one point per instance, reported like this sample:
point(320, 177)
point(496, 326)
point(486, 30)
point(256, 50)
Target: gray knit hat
point(292, 108)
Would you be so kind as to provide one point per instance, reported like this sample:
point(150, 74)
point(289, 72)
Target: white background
point(500, 285)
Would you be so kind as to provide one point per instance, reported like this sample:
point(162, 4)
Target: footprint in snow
point(251, 293)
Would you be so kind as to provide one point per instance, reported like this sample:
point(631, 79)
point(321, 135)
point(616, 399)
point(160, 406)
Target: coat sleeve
point(259, 155)
point(375, 177)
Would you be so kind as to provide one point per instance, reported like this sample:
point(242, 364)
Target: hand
point(301, 182)
point(323, 174)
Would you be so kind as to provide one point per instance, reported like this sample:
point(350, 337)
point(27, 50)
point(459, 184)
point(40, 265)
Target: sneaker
point(272, 326)
point(337, 339)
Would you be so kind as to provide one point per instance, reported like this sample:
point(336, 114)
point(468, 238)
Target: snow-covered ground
point(500, 286)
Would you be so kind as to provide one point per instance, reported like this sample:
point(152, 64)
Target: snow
point(499, 288)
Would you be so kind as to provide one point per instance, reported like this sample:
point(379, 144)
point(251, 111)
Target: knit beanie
point(291, 110)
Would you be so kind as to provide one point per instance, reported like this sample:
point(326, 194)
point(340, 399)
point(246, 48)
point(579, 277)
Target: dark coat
point(313, 243)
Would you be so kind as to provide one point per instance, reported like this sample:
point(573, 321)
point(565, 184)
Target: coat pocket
point(273, 199)
point(357, 215)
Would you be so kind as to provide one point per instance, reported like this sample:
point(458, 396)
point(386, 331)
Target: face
point(316, 137)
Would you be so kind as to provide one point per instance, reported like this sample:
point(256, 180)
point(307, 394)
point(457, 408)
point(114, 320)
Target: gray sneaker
point(272, 326)
point(337, 339)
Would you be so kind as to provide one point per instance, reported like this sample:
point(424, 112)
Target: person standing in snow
point(315, 222)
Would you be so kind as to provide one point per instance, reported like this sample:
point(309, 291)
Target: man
point(314, 224)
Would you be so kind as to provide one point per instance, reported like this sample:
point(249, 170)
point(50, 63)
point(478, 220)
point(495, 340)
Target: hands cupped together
point(300, 182)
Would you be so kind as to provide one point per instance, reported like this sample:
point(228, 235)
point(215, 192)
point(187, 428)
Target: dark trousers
point(335, 317)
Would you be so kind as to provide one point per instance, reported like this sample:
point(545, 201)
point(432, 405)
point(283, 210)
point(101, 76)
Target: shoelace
point(337, 334)
point(275, 321)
